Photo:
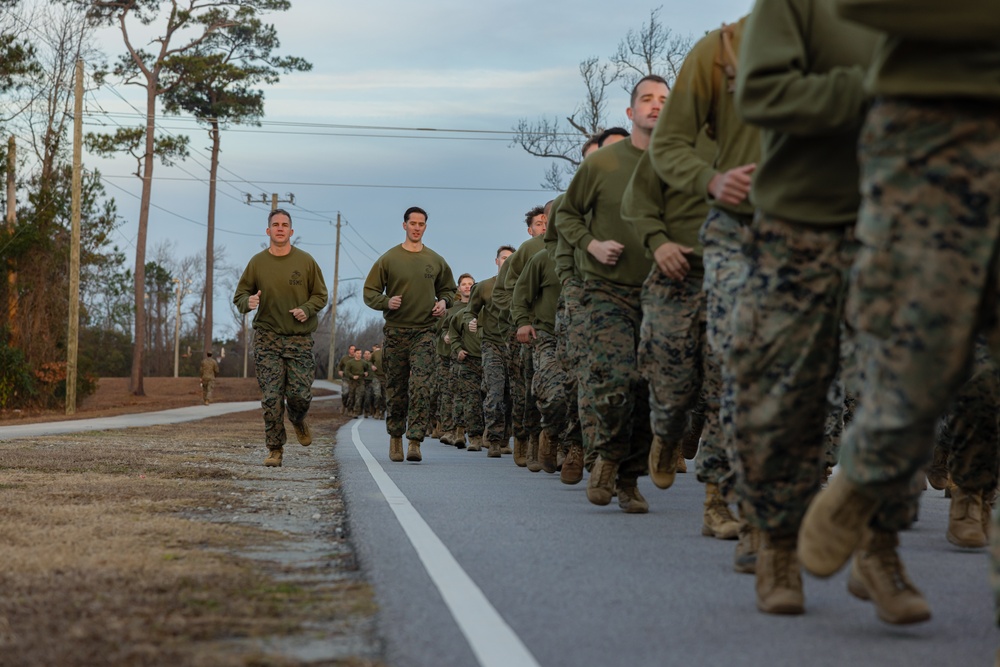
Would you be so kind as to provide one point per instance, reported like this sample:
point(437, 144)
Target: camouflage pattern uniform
point(496, 393)
point(285, 372)
point(468, 394)
point(209, 369)
point(409, 367)
point(555, 392)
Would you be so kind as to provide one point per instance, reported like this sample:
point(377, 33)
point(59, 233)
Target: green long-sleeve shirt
point(662, 214)
point(492, 322)
point(701, 96)
point(591, 209)
point(801, 81)
point(358, 367)
point(285, 282)
point(559, 250)
point(422, 278)
point(441, 328)
point(536, 294)
point(461, 337)
point(930, 48)
point(512, 268)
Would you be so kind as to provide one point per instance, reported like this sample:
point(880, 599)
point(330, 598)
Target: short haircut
point(464, 276)
point(505, 247)
point(591, 141)
point(655, 78)
point(208, 354)
point(530, 216)
point(611, 132)
point(414, 209)
point(279, 211)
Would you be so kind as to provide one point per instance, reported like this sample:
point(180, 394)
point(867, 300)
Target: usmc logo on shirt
point(296, 278)
point(429, 272)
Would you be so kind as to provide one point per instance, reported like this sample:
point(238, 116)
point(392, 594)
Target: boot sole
point(719, 535)
point(858, 589)
point(965, 544)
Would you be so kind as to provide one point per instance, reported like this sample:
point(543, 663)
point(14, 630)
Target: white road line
point(493, 641)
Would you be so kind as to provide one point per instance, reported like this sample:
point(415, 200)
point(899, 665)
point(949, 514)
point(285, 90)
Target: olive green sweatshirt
point(421, 278)
point(285, 282)
point(492, 323)
point(441, 328)
point(932, 48)
point(377, 364)
point(592, 209)
point(701, 95)
point(512, 268)
point(664, 215)
point(800, 80)
point(354, 367)
point(536, 294)
point(461, 337)
point(560, 251)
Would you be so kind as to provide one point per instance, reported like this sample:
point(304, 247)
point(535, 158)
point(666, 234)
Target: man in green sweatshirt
point(355, 372)
point(345, 394)
point(286, 288)
point(491, 323)
point(702, 99)
point(412, 285)
point(466, 355)
point(924, 285)
point(800, 81)
point(614, 268)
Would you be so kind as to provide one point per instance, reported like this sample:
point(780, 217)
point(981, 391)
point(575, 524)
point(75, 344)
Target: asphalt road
point(478, 562)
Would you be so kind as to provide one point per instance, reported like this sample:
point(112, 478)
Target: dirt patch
point(173, 546)
point(113, 398)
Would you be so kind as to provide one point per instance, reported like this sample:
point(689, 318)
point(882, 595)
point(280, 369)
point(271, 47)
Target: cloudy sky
point(328, 135)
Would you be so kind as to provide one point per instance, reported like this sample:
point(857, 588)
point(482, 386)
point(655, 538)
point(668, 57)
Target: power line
point(357, 185)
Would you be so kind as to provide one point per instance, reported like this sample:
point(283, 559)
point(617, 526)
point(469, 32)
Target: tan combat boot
point(458, 437)
point(878, 575)
point(937, 473)
point(505, 448)
point(437, 432)
point(572, 470)
point(833, 526)
point(561, 458)
point(717, 520)
point(601, 485)
point(547, 453)
point(779, 581)
point(989, 499)
point(446, 438)
point(395, 448)
point(413, 451)
point(662, 463)
point(273, 459)
point(520, 452)
point(534, 465)
point(966, 520)
point(475, 443)
point(745, 555)
point(629, 498)
point(303, 433)
point(494, 451)
point(680, 465)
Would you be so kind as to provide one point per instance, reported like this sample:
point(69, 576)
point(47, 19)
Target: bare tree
point(652, 49)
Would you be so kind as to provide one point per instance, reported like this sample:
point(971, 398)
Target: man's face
point(357, 354)
point(649, 100)
point(279, 229)
point(350, 350)
point(415, 227)
point(502, 257)
point(465, 287)
point(367, 355)
point(538, 224)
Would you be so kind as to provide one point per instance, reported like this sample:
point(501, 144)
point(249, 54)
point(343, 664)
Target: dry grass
point(104, 562)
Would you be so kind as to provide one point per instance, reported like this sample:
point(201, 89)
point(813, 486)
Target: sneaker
point(745, 555)
point(878, 575)
point(303, 433)
point(601, 485)
point(547, 453)
point(629, 498)
point(396, 448)
point(572, 470)
point(966, 519)
point(779, 579)
point(520, 452)
point(273, 459)
point(662, 460)
point(534, 465)
point(833, 526)
point(413, 451)
point(717, 520)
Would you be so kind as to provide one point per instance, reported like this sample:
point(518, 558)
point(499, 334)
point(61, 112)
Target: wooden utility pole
point(11, 309)
point(333, 305)
point(73, 336)
point(274, 205)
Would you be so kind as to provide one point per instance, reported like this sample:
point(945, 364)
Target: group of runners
point(788, 260)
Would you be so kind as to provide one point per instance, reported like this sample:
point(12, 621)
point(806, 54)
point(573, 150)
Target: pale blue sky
point(392, 63)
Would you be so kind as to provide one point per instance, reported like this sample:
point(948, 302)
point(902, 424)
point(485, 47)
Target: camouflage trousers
point(572, 343)
point(408, 362)
point(682, 373)
point(524, 412)
point(926, 280)
point(970, 431)
point(444, 381)
point(555, 394)
point(378, 394)
point(611, 381)
point(354, 405)
point(496, 393)
point(207, 388)
point(285, 372)
point(468, 394)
